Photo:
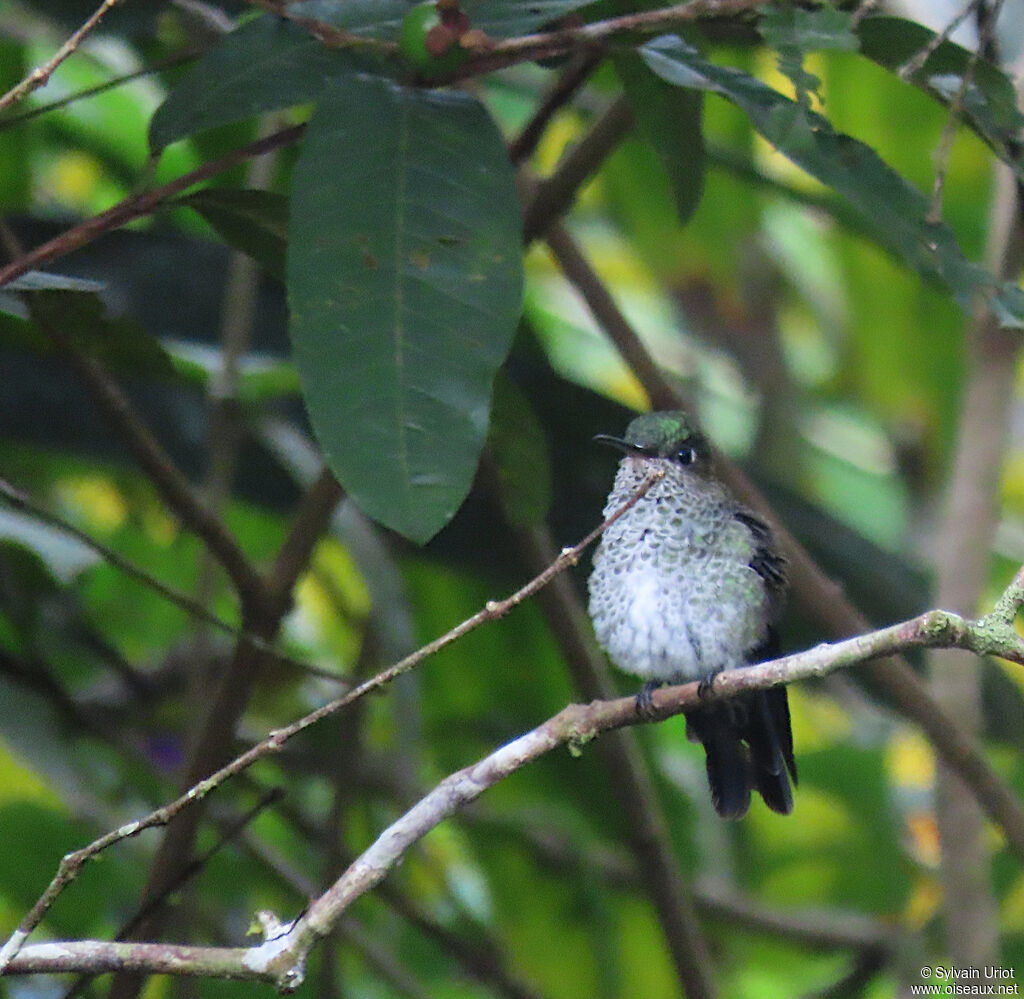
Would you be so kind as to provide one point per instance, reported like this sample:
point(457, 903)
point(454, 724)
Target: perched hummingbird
point(687, 583)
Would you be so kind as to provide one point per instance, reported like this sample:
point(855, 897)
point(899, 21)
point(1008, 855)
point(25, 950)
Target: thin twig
point(229, 830)
point(138, 205)
point(510, 51)
point(178, 59)
point(944, 149)
point(40, 76)
point(161, 470)
point(916, 63)
point(20, 500)
point(575, 74)
point(73, 862)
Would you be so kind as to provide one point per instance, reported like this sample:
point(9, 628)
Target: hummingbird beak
point(619, 444)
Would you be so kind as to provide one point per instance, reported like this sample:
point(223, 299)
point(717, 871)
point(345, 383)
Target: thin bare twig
point(40, 76)
point(178, 59)
point(138, 205)
point(19, 500)
point(944, 149)
point(71, 864)
point(916, 63)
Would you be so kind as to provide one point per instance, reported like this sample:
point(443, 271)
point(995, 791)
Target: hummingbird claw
point(645, 701)
point(705, 686)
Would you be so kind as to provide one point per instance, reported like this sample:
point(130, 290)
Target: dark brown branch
point(575, 74)
point(172, 485)
point(552, 197)
point(138, 205)
point(310, 523)
point(575, 266)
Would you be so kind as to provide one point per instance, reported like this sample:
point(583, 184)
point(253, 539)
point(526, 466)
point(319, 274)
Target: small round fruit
point(428, 43)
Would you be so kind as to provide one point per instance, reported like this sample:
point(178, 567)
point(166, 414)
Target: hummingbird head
point(670, 434)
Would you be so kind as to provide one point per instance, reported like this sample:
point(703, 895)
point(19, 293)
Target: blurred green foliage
point(784, 303)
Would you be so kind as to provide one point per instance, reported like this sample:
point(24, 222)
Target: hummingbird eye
point(686, 455)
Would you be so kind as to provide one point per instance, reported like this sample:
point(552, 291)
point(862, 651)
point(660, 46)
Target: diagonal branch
point(72, 863)
point(578, 724)
point(281, 959)
point(821, 598)
point(40, 76)
point(165, 475)
point(138, 205)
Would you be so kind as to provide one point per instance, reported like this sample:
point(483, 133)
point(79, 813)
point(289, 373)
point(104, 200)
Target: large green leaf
point(405, 284)
point(669, 118)
point(266, 64)
point(893, 209)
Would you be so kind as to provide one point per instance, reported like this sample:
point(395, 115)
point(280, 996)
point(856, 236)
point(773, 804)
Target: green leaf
point(669, 118)
point(42, 281)
point(382, 19)
point(119, 342)
point(892, 208)
point(989, 104)
point(266, 64)
point(516, 441)
point(793, 33)
point(255, 222)
point(405, 285)
point(808, 30)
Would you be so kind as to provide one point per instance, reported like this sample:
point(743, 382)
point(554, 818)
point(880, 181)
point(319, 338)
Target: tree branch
point(73, 862)
point(553, 196)
point(578, 724)
point(823, 600)
point(168, 479)
point(281, 959)
point(40, 76)
point(137, 205)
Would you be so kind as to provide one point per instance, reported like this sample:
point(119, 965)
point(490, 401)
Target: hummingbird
point(686, 583)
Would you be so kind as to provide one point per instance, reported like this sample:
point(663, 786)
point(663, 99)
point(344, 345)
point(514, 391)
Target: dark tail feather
point(749, 746)
point(727, 759)
point(771, 748)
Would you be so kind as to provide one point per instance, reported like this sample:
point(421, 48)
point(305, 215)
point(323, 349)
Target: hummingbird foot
point(706, 685)
point(645, 699)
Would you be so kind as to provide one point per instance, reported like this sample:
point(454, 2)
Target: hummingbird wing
point(767, 561)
